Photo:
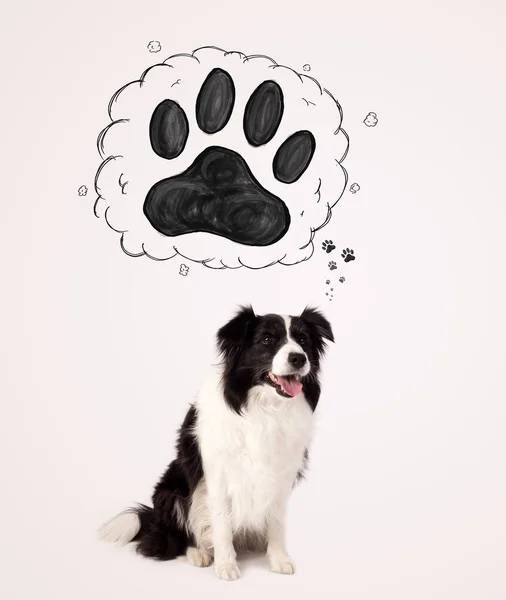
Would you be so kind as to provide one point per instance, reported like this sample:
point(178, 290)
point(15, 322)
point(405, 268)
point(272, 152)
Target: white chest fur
point(253, 458)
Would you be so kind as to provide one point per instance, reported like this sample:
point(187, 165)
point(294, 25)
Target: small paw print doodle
point(82, 191)
point(330, 293)
point(183, 270)
point(342, 279)
point(328, 246)
point(371, 120)
point(354, 188)
point(306, 67)
point(332, 265)
point(221, 165)
point(154, 46)
point(348, 255)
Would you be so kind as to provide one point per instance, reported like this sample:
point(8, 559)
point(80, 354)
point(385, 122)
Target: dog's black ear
point(232, 336)
point(315, 319)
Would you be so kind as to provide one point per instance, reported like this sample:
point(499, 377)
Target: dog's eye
point(267, 339)
point(302, 340)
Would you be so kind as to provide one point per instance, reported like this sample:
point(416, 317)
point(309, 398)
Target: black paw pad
point(218, 194)
point(168, 129)
point(263, 113)
point(293, 156)
point(215, 101)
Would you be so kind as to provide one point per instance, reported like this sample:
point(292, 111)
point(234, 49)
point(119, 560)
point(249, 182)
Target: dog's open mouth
point(286, 385)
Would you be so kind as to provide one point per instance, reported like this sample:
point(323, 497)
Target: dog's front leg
point(225, 563)
point(280, 561)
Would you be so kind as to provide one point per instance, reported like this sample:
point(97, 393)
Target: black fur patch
point(161, 535)
point(312, 330)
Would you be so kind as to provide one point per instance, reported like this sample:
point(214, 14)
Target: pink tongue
point(290, 385)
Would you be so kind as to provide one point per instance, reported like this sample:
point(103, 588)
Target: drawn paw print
point(222, 153)
point(330, 293)
point(219, 181)
point(328, 246)
point(348, 255)
point(342, 279)
point(332, 265)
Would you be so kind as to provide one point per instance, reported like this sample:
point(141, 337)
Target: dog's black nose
point(297, 360)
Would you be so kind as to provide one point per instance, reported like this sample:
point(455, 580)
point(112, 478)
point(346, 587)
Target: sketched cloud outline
point(130, 167)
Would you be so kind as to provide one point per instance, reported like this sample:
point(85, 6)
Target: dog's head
point(281, 352)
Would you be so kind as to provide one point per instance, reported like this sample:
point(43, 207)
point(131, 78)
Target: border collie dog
point(241, 448)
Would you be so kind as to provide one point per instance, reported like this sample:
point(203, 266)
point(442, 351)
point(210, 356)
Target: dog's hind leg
point(199, 524)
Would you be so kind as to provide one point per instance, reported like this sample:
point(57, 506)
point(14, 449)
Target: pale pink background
point(101, 353)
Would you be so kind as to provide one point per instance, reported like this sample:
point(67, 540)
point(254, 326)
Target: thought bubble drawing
point(154, 46)
point(306, 68)
point(371, 120)
point(231, 160)
point(82, 191)
point(354, 188)
point(183, 270)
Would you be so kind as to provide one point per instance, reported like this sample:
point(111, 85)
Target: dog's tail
point(153, 536)
point(122, 528)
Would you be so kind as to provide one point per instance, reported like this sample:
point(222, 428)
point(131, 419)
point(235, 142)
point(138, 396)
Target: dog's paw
point(227, 570)
point(198, 557)
point(282, 564)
